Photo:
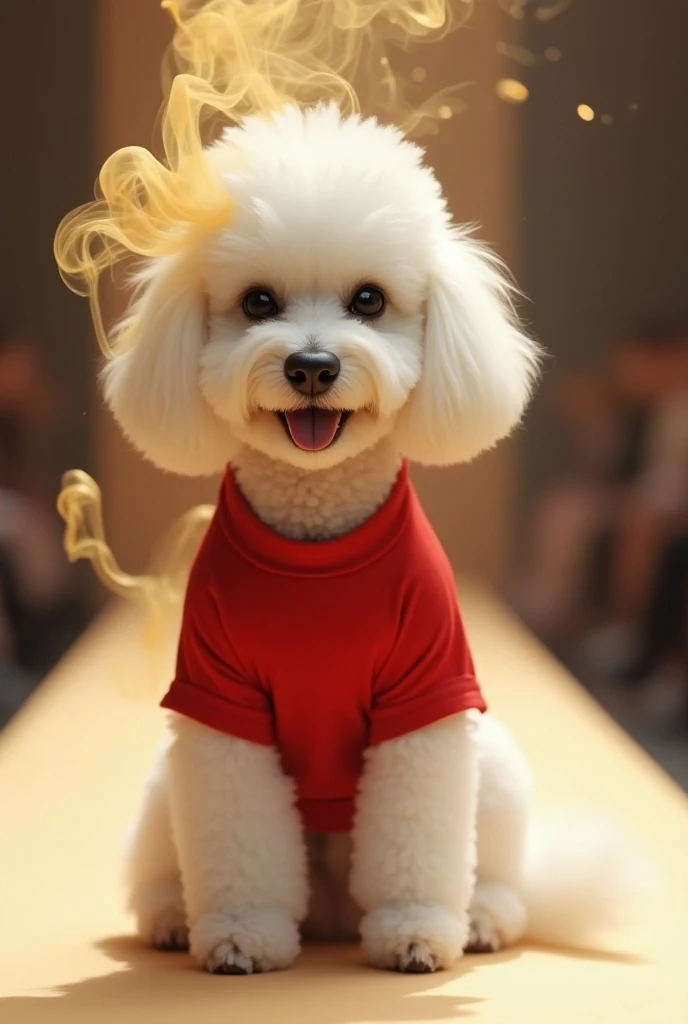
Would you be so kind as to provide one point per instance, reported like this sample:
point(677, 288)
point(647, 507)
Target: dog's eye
point(260, 304)
point(368, 301)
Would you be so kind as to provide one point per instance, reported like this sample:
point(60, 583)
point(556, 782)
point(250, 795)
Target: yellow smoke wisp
point(228, 59)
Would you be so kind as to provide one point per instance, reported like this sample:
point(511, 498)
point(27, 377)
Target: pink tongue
point(313, 429)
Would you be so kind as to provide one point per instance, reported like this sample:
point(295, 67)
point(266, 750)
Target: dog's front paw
point(227, 958)
point(245, 942)
point(415, 938)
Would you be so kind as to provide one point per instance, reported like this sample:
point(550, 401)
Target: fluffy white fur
point(244, 895)
point(323, 205)
point(415, 908)
point(438, 860)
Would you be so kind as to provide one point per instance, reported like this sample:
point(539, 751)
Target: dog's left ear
point(478, 366)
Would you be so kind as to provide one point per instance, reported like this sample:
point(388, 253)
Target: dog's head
point(339, 306)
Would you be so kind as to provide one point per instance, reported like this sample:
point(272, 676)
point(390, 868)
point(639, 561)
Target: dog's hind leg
point(497, 913)
point(153, 877)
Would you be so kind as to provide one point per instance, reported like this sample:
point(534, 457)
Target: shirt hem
point(391, 724)
point(207, 709)
point(335, 815)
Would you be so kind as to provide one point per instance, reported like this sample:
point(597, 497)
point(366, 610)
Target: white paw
point(245, 942)
point(415, 938)
point(229, 959)
point(417, 958)
point(497, 918)
point(160, 914)
point(483, 936)
point(170, 931)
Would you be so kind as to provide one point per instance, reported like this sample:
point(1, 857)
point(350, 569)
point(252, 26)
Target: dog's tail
point(584, 880)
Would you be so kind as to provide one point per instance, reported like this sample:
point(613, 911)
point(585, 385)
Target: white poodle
point(338, 325)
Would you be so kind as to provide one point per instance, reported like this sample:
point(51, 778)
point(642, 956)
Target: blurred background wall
point(47, 118)
point(47, 359)
point(603, 240)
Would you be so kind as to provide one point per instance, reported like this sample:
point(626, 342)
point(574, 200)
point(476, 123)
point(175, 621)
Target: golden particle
point(511, 91)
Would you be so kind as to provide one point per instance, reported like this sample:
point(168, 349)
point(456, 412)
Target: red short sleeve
point(429, 675)
point(209, 684)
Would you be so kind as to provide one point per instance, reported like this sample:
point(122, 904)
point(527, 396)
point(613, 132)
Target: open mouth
point(313, 429)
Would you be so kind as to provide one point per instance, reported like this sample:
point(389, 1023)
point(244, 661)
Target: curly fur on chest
point(317, 505)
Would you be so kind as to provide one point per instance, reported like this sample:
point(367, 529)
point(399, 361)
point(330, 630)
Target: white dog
point(338, 325)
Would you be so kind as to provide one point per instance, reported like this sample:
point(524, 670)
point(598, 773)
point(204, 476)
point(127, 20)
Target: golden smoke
point(233, 59)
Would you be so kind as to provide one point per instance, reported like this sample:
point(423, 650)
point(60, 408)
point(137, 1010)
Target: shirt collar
point(263, 546)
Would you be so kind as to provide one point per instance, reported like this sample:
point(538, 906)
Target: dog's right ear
point(152, 382)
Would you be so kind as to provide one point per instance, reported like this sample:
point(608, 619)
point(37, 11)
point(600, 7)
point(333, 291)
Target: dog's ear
point(152, 382)
point(478, 367)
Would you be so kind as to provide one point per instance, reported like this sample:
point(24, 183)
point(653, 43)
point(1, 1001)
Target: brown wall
point(138, 499)
point(45, 170)
point(473, 155)
point(604, 205)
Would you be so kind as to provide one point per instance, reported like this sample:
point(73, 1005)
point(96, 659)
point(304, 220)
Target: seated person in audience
point(598, 529)
point(663, 631)
point(40, 613)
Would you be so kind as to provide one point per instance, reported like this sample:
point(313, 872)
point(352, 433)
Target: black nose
point(311, 373)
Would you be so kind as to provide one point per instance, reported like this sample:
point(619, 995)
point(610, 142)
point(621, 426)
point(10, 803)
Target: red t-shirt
point(322, 648)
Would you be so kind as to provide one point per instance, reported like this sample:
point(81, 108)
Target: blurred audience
point(40, 611)
point(605, 581)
